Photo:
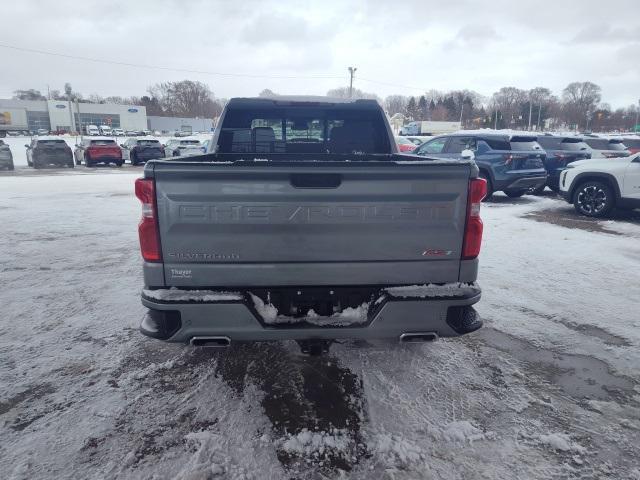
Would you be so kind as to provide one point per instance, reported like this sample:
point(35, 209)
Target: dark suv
point(561, 151)
point(510, 163)
point(139, 150)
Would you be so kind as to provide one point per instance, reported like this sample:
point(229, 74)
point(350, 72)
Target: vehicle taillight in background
point(473, 226)
point(148, 226)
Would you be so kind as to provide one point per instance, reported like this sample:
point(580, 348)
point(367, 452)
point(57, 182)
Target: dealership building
point(66, 115)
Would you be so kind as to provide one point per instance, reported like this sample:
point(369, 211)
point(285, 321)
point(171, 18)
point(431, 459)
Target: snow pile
point(307, 442)
point(348, 316)
point(174, 294)
point(462, 431)
point(431, 290)
point(393, 449)
point(562, 442)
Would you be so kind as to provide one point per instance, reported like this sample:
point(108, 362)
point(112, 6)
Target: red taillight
point(473, 226)
point(148, 226)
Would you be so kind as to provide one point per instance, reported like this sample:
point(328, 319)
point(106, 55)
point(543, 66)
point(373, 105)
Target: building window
point(97, 119)
point(37, 120)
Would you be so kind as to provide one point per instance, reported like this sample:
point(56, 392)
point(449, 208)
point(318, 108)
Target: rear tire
point(87, 161)
point(134, 159)
point(119, 164)
point(593, 199)
point(489, 194)
point(514, 193)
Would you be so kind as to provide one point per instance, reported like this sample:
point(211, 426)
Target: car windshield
point(103, 142)
point(605, 144)
point(631, 142)
point(51, 142)
point(189, 142)
point(524, 144)
point(573, 144)
point(149, 143)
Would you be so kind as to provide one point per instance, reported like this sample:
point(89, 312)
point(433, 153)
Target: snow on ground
point(548, 389)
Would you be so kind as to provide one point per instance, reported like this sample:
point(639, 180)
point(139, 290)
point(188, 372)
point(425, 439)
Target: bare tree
point(186, 98)
point(30, 94)
point(266, 93)
point(343, 92)
point(580, 100)
point(508, 101)
point(395, 104)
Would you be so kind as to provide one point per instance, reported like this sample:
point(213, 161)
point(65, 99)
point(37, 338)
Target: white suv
point(596, 186)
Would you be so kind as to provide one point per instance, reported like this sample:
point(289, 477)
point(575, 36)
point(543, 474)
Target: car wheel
point(489, 194)
point(119, 164)
point(133, 158)
point(36, 165)
point(71, 165)
point(538, 190)
point(87, 161)
point(593, 199)
point(514, 193)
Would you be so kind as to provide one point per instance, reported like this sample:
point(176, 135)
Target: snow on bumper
point(179, 315)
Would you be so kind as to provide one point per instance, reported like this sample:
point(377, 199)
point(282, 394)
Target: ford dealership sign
point(133, 110)
point(61, 106)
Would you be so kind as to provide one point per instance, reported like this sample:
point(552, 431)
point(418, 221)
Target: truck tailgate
point(357, 223)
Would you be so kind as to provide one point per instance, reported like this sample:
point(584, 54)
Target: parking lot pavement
point(548, 389)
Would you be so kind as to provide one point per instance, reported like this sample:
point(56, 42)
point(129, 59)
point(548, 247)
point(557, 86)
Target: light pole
point(352, 71)
point(530, 107)
point(635, 127)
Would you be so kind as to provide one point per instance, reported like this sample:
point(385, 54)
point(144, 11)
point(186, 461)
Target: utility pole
point(461, 110)
point(352, 71)
point(635, 127)
point(48, 92)
point(495, 124)
point(538, 123)
point(530, 107)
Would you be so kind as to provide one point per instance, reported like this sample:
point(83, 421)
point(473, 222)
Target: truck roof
point(310, 100)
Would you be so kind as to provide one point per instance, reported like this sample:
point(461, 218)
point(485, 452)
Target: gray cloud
point(423, 45)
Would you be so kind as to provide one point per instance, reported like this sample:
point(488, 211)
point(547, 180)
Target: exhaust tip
point(210, 342)
point(418, 337)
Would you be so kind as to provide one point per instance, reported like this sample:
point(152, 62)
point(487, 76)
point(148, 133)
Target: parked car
point(49, 151)
point(6, 158)
point(595, 187)
point(182, 147)
point(249, 251)
point(405, 145)
point(606, 147)
point(118, 132)
point(139, 150)
point(43, 131)
point(105, 130)
point(93, 151)
point(92, 130)
point(560, 150)
point(632, 143)
point(510, 162)
point(132, 133)
point(419, 140)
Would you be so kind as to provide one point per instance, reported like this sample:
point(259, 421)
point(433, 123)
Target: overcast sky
point(409, 46)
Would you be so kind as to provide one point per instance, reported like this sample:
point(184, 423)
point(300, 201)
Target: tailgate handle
point(316, 180)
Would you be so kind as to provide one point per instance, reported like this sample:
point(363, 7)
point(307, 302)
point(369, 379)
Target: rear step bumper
point(233, 317)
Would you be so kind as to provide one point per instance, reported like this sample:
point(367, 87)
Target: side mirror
point(467, 155)
point(28, 146)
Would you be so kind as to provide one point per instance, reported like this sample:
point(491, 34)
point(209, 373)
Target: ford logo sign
point(133, 110)
point(61, 106)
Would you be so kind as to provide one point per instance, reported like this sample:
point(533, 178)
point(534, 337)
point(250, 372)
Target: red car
point(94, 150)
point(404, 145)
point(632, 144)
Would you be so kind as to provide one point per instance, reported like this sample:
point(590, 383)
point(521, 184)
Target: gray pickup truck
point(303, 222)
